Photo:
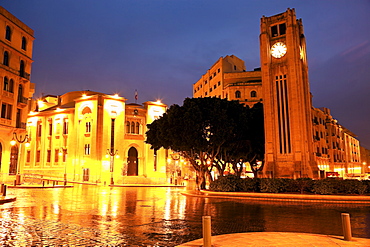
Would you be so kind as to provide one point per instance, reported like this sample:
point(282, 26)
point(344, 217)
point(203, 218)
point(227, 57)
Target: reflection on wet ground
point(88, 215)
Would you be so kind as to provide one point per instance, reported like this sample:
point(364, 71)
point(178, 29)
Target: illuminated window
point(237, 94)
point(6, 58)
point(24, 43)
point(8, 33)
point(253, 94)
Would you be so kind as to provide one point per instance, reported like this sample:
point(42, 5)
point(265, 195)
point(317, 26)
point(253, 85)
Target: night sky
point(161, 47)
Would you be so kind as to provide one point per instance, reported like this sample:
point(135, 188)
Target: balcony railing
point(24, 75)
point(22, 100)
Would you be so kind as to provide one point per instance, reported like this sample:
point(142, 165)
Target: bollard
point(43, 183)
point(346, 225)
point(206, 220)
point(4, 190)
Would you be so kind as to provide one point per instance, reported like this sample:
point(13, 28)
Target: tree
point(205, 131)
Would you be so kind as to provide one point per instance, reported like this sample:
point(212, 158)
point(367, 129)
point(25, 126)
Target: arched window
point(6, 84)
point(21, 69)
point(137, 128)
point(6, 58)
point(237, 94)
point(11, 86)
point(8, 33)
point(20, 93)
point(132, 128)
point(253, 94)
point(24, 43)
point(128, 127)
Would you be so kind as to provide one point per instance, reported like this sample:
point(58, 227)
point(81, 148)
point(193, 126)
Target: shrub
point(323, 187)
point(249, 185)
point(227, 183)
point(273, 185)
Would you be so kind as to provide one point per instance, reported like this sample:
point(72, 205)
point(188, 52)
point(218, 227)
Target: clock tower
point(289, 150)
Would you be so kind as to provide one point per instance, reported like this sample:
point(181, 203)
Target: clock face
point(278, 50)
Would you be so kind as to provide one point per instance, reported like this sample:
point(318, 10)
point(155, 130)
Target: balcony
point(24, 75)
point(22, 101)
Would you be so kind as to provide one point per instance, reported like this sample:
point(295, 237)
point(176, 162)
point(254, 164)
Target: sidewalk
point(286, 239)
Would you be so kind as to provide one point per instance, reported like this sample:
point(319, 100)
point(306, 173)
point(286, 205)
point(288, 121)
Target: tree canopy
point(210, 132)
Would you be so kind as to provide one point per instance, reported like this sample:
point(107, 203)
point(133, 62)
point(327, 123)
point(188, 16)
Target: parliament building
point(300, 140)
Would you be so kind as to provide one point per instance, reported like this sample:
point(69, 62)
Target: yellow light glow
point(117, 156)
point(13, 142)
point(27, 144)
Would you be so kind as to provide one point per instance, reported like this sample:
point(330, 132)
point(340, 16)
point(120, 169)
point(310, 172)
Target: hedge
point(231, 183)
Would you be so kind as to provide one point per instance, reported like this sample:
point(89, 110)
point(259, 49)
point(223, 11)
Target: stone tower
point(287, 98)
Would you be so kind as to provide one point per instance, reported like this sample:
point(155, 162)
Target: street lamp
point(112, 154)
point(13, 142)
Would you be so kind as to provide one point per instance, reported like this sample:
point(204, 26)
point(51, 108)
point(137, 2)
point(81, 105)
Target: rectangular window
point(64, 155)
point(56, 155)
point(65, 127)
point(50, 128)
point(28, 159)
point(278, 30)
point(48, 158)
point(88, 127)
point(6, 111)
point(38, 154)
point(3, 110)
point(87, 149)
point(39, 129)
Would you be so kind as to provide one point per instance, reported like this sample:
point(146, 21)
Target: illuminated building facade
point(16, 90)
point(94, 137)
point(301, 141)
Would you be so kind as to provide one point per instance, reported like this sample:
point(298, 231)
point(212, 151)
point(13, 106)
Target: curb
point(282, 197)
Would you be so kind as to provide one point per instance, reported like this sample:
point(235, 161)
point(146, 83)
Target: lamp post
point(111, 153)
point(13, 142)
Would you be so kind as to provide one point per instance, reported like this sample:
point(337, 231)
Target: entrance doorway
point(13, 160)
point(132, 162)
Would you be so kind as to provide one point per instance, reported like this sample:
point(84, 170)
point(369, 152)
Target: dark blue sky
point(161, 47)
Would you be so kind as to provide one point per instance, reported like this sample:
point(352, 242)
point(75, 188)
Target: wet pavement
point(88, 215)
